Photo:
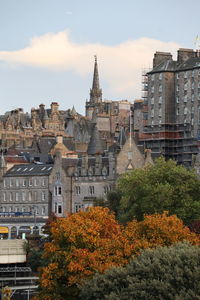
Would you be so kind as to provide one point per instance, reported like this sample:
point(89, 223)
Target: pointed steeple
point(95, 92)
point(73, 111)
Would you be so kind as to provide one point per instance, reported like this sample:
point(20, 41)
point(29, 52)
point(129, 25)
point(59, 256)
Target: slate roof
point(77, 162)
point(191, 63)
point(165, 66)
point(29, 170)
point(173, 66)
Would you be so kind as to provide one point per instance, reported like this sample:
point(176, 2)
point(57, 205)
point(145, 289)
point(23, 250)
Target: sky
point(47, 47)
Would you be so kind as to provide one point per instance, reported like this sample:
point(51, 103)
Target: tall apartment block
point(171, 109)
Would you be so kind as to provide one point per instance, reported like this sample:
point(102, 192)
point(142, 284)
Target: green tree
point(161, 187)
point(164, 273)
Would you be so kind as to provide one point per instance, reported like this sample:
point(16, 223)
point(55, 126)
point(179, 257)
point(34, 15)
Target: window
point(185, 75)
point(43, 210)
point(177, 99)
point(193, 73)
point(160, 88)
point(10, 209)
point(91, 190)
point(145, 116)
point(24, 182)
point(185, 86)
point(152, 89)
point(185, 111)
point(17, 196)
point(192, 109)
point(35, 195)
point(177, 111)
point(59, 190)
point(77, 190)
point(152, 113)
point(160, 99)
point(23, 196)
point(35, 182)
point(152, 100)
point(4, 196)
point(17, 182)
point(11, 182)
point(152, 77)
point(30, 182)
point(177, 88)
point(177, 75)
point(43, 182)
point(192, 97)
point(30, 196)
point(11, 196)
point(160, 112)
point(4, 183)
point(58, 175)
point(185, 98)
point(192, 121)
point(77, 207)
point(192, 85)
point(43, 196)
point(59, 209)
point(106, 189)
point(160, 76)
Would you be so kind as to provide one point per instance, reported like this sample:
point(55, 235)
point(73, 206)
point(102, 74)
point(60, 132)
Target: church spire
point(95, 92)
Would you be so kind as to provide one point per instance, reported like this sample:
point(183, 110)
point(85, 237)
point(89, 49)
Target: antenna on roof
point(197, 45)
point(130, 134)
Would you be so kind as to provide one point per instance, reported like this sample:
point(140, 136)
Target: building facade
point(173, 106)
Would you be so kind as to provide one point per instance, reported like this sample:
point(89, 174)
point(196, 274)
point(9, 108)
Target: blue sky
point(47, 47)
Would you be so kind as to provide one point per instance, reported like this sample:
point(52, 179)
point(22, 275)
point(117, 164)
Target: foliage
point(163, 273)
point(93, 241)
point(157, 230)
point(35, 259)
point(82, 244)
point(6, 293)
point(161, 187)
point(195, 227)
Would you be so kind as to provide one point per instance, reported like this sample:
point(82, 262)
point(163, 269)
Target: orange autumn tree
point(157, 230)
point(91, 241)
point(82, 244)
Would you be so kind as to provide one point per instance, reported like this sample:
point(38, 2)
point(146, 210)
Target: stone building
point(25, 197)
point(173, 102)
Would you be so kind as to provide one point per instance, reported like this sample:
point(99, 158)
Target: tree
point(163, 273)
point(161, 187)
point(157, 230)
point(195, 227)
point(82, 244)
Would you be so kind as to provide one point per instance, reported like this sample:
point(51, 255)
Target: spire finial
point(95, 92)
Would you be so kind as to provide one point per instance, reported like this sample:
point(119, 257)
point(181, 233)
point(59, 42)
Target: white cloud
point(120, 65)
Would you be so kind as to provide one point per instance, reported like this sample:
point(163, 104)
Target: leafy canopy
point(93, 241)
point(163, 273)
point(154, 189)
point(82, 244)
